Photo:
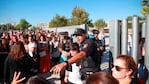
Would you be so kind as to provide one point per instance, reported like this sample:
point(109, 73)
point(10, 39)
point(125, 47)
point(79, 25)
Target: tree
point(79, 16)
point(3, 27)
point(90, 24)
point(35, 28)
point(100, 23)
point(144, 2)
point(6, 27)
point(58, 21)
point(145, 9)
point(10, 26)
point(130, 19)
point(23, 24)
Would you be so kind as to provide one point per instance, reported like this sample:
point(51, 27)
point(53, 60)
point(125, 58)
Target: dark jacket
point(24, 66)
point(134, 81)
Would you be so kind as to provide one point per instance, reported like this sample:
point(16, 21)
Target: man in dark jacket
point(88, 48)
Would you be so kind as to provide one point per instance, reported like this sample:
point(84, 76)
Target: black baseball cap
point(79, 31)
point(95, 32)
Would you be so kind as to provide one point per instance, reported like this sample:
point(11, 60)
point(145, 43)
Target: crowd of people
point(24, 55)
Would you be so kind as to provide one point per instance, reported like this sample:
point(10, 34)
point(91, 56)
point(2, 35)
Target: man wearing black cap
point(87, 49)
point(100, 46)
point(66, 40)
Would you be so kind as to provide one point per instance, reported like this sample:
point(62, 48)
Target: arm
point(77, 57)
point(66, 76)
point(57, 68)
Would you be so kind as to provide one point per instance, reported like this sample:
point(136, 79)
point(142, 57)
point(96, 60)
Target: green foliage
point(17, 27)
point(79, 16)
point(144, 2)
point(145, 10)
point(3, 27)
point(6, 27)
point(23, 24)
point(90, 24)
point(100, 23)
point(130, 19)
point(35, 28)
point(58, 21)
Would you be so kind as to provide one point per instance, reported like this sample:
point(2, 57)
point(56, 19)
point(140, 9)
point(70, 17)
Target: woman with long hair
point(44, 63)
point(17, 61)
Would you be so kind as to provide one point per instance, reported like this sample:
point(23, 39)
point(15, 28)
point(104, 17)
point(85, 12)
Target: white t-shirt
point(74, 76)
point(30, 46)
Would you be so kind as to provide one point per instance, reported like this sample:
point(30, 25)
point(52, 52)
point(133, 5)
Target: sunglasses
point(118, 68)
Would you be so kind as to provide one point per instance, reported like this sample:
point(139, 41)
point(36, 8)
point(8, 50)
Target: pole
point(147, 46)
point(124, 38)
point(143, 29)
point(135, 27)
point(114, 33)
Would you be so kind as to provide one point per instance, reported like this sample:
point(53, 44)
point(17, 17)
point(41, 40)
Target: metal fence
point(118, 40)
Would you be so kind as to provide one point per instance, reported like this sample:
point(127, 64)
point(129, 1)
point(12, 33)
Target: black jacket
point(24, 66)
point(134, 81)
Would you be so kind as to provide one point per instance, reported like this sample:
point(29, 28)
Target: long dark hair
point(17, 51)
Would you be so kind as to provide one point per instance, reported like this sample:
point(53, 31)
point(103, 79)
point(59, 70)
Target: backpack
point(106, 61)
point(142, 72)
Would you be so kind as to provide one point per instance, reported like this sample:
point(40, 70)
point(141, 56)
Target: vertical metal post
point(147, 46)
point(111, 41)
point(135, 26)
point(124, 39)
point(114, 39)
point(56, 29)
point(143, 29)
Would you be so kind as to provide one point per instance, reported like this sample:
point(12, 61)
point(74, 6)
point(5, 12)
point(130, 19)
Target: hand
point(35, 59)
point(66, 79)
point(16, 79)
point(58, 68)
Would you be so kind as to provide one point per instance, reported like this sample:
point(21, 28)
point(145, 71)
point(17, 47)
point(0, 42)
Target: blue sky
point(38, 11)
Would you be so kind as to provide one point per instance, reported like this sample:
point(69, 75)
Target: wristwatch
point(66, 63)
point(68, 66)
